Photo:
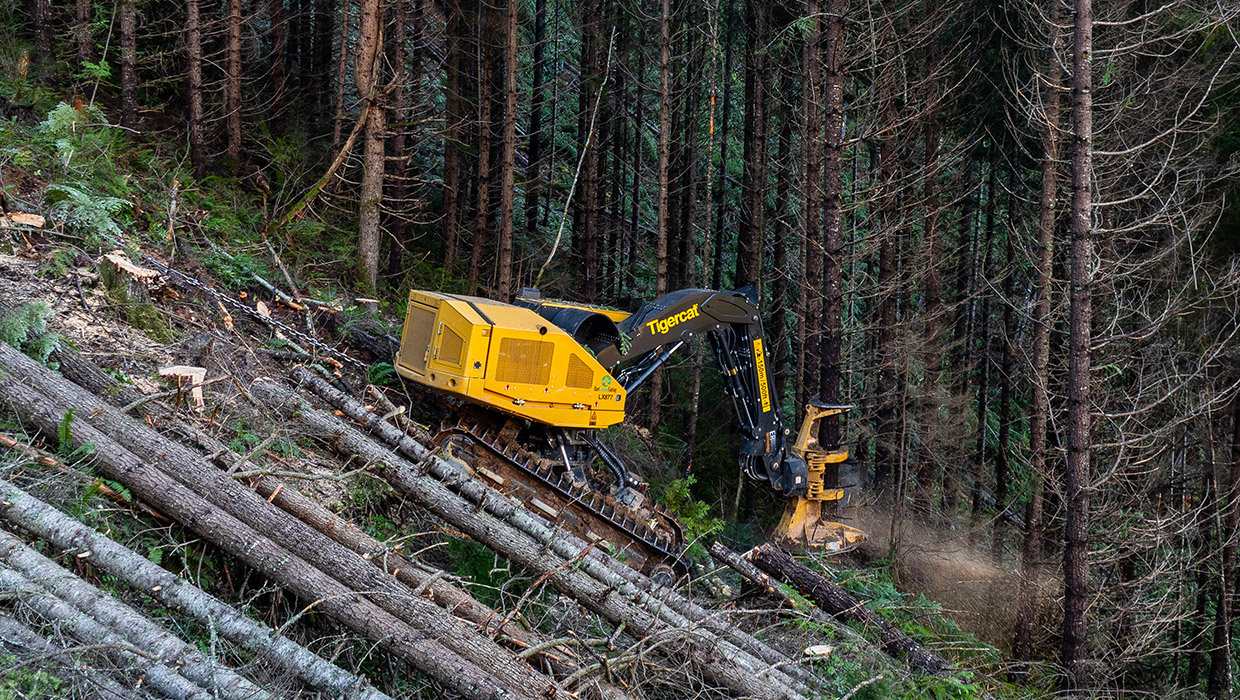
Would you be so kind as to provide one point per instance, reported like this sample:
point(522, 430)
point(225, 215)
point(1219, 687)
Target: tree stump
point(127, 288)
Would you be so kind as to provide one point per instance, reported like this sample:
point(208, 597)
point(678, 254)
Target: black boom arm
point(732, 322)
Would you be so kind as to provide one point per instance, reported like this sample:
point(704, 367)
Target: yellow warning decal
point(764, 391)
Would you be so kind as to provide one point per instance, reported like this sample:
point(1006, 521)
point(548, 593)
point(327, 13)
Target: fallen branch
point(295, 211)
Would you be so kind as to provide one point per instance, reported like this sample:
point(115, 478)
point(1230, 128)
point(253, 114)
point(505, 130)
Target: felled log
point(131, 625)
point(451, 597)
point(223, 530)
point(298, 538)
point(141, 667)
point(661, 599)
point(488, 517)
point(26, 644)
point(49, 524)
point(843, 605)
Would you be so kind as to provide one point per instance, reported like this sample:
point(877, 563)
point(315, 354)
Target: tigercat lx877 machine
point(533, 382)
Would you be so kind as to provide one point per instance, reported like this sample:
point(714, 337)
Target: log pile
point(448, 492)
point(46, 523)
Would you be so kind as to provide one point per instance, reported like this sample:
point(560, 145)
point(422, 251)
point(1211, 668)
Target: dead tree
point(1077, 484)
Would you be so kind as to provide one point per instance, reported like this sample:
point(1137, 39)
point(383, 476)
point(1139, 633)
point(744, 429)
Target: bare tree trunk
point(279, 70)
point(1077, 469)
point(366, 70)
point(832, 330)
point(44, 37)
point(785, 233)
point(232, 83)
point(324, 24)
point(81, 33)
point(720, 187)
point(932, 343)
point(538, 100)
point(485, 35)
point(1219, 686)
point(753, 184)
point(369, 241)
point(885, 380)
point(395, 186)
point(452, 136)
point(690, 126)
point(665, 142)
point(585, 223)
point(1006, 378)
point(1039, 401)
point(508, 166)
point(808, 339)
point(635, 192)
point(342, 73)
point(983, 367)
point(129, 59)
point(193, 87)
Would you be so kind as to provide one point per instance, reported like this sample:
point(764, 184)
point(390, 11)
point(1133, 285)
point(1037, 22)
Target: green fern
point(64, 431)
point(42, 347)
point(25, 328)
point(87, 212)
point(65, 122)
point(25, 322)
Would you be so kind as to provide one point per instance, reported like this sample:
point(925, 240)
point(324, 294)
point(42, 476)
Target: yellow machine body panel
point(508, 358)
point(613, 314)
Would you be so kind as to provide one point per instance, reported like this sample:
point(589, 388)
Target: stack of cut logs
point(407, 609)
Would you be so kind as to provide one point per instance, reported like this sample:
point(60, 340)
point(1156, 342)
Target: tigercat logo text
point(663, 325)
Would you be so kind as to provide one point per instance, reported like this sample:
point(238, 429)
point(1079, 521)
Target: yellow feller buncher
point(533, 382)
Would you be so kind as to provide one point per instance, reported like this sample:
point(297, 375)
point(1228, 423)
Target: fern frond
point(42, 347)
point(87, 211)
point(25, 322)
